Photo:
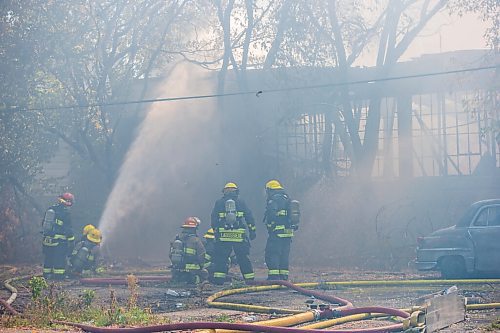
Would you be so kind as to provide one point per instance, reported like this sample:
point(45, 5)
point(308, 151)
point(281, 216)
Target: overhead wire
point(257, 93)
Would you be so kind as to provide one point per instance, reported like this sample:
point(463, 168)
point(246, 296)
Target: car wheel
point(452, 268)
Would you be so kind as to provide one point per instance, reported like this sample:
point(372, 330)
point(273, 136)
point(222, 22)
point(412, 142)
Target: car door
point(485, 235)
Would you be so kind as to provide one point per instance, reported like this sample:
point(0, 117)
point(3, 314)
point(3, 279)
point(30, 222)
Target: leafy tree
point(80, 53)
point(486, 104)
point(86, 54)
point(488, 10)
point(96, 50)
point(24, 144)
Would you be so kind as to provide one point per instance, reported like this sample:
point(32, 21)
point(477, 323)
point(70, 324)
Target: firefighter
point(230, 219)
point(58, 237)
point(209, 244)
point(86, 231)
point(85, 255)
point(281, 220)
point(187, 254)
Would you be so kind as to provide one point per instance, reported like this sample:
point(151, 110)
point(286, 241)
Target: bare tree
point(335, 34)
point(347, 29)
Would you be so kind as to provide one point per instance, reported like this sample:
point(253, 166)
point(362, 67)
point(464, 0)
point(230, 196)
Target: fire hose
point(346, 308)
point(270, 285)
point(266, 326)
point(211, 301)
point(300, 318)
point(218, 326)
point(329, 298)
point(7, 304)
point(273, 325)
point(9, 307)
point(415, 319)
point(346, 312)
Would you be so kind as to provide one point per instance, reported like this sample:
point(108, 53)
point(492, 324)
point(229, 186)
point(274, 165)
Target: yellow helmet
point(210, 234)
point(273, 185)
point(94, 236)
point(230, 187)
point(87, 228)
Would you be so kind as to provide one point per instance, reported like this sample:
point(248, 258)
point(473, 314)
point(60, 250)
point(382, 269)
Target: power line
point(256, 93)
point(456, 71)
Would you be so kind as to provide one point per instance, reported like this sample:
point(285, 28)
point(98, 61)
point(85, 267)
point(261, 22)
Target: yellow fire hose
point(247, 307)
point(297, 317)
point(211, 301)
point(302, 317)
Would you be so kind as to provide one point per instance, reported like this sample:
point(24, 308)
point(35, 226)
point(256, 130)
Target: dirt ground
point(158, 296)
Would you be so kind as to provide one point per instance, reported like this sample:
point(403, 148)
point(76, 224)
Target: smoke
point(185, 150)
point(160, 182)
point(375, 224)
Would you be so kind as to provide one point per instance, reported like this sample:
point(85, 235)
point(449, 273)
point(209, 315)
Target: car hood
point(447, 230)
point(452, 231)
point(450, 237)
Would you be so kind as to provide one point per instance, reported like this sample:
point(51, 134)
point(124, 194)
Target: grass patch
point(494, 326)
point(223, 318)
point(50, 302)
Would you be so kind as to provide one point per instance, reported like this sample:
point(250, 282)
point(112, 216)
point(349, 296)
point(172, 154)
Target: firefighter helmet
point(273, 185)
point(230, 187)
point(67, 199)
point(94, 236)
point(191, 222)
point(87, 228)
point(209, 234)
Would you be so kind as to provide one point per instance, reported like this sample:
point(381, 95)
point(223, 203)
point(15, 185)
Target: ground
point(158, 298)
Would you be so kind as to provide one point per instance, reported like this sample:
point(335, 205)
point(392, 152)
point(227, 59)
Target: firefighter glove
point(252, 234)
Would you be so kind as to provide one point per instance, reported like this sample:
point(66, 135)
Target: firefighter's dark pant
point(221, 256)
point(54, 264)
point(277, 254)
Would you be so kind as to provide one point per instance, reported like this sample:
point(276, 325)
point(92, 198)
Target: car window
point(488, 216)
point(482, 218)
point(494, 216)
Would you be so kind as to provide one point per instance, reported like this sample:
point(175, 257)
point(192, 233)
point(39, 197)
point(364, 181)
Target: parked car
point(469, 248)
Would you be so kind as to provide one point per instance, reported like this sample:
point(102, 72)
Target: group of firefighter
point(195, 259)
point(63, 255)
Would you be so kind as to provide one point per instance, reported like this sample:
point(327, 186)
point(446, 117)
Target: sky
point(444, 33)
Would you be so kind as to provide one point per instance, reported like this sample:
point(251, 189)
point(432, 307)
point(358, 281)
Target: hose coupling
point(323, 307)
point(331, 313)
point(336, 313)
point(317, 314)
point(416, 320)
